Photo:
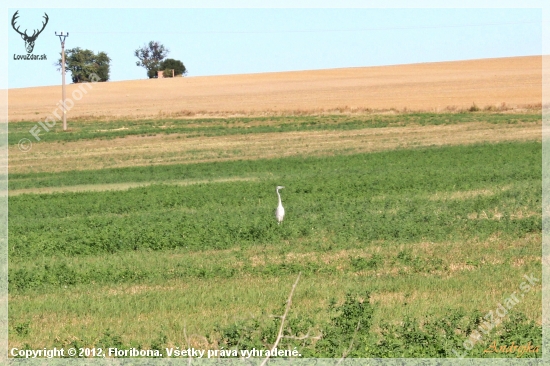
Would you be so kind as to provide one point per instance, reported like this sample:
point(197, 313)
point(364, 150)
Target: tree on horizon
point(83, 63)
point(150, 56)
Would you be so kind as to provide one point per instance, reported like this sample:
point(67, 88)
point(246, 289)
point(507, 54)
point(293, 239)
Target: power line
point(322, 30)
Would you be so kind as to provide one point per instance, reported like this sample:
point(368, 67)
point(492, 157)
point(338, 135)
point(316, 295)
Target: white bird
point(280, 211)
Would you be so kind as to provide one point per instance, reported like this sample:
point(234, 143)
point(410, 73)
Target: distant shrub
point(495, 108)
point(474, 108)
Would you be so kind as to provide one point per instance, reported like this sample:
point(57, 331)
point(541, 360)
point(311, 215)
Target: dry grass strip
point(177, 149)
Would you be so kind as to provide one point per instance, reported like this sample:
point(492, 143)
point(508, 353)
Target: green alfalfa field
point(401, 251)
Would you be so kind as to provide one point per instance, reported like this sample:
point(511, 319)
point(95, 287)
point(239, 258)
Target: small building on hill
point(160, 74)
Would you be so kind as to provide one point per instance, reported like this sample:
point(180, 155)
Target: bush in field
point(349, 330)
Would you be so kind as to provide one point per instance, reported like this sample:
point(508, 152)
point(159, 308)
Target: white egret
point(280, 211)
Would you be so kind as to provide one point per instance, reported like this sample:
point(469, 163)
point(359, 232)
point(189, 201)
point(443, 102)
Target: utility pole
point(62, 36)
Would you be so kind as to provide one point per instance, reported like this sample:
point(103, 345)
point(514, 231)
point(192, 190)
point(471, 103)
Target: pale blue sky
point(217, 41)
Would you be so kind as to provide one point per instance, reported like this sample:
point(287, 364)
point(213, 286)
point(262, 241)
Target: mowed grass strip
point(208, 127)
point(180, 149)
point(121, 186)
point(140, 156)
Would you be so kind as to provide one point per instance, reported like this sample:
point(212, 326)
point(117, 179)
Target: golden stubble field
point(515, 81)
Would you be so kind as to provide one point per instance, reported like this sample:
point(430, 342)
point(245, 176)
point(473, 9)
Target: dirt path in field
point(177, 149)
point(515, 81)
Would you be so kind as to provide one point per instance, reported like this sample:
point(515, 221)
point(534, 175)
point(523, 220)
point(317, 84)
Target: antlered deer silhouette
point(29, 40)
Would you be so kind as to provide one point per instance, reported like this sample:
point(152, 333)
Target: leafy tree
point(83, 63)
point(150, 56)
point(171, 64)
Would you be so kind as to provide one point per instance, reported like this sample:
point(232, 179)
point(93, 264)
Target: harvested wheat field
point(515, 81)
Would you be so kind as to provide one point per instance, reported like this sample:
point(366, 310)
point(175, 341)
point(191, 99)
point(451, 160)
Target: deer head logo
point(29, 40)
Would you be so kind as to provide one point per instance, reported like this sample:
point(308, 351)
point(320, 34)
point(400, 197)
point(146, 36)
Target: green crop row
point(199, 218)
point(432, 168)
point(427, 194)
point(309, 256)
